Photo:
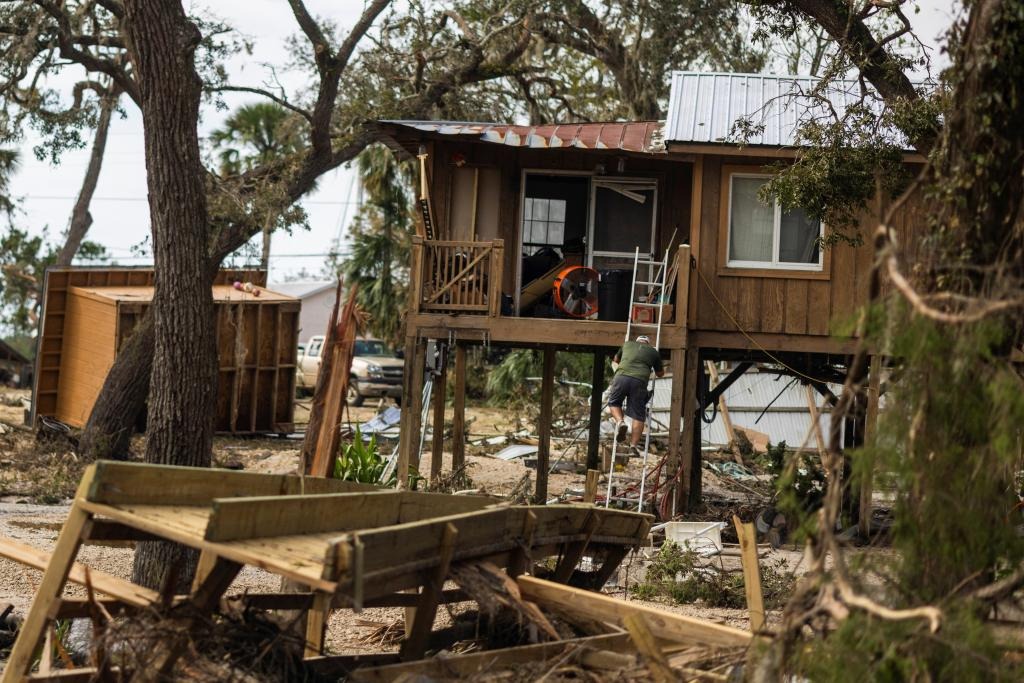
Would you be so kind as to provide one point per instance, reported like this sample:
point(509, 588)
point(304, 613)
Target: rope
point(753, 341)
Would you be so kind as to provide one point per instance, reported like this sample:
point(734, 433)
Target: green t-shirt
point(637, 360)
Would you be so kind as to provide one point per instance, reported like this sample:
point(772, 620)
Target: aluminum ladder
point(653, 299)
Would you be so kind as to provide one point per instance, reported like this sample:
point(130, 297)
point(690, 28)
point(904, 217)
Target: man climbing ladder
point(637, 359)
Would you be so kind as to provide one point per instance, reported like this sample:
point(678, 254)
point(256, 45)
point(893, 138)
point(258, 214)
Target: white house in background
point(317, 301)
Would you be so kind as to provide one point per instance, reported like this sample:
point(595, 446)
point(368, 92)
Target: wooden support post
point(412, 408)
point(415, 643)
point(547, 397)
point(207, 561)
point(819, 438)
point(316, 623)
point(689, 450)
point(440, 394)
point(590, 490)
point(459, 410)
point(751, 573)
point(870, 431)
point(522, 558)
point(574, 551)
point(677, 364)
point(51, 585)
point(596, 394)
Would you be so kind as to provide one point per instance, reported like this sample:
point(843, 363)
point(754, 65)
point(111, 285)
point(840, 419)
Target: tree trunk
point(184, 378)
point(265, 256)
point(81, 219)
point(109, 430)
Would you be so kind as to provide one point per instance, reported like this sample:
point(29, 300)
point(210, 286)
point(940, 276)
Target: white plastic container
point(703, 538)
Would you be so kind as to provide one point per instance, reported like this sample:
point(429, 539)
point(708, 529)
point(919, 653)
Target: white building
point(317, 301)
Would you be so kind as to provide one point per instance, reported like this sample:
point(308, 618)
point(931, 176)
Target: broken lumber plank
point(444, 667)
point(751, 573)
point(648, 647)
point(663, 624)
point(102, 582)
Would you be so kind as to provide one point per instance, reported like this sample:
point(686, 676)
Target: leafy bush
point(361, 461)
point(677, 574)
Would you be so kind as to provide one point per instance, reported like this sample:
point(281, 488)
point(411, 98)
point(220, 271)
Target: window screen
point(623, 215)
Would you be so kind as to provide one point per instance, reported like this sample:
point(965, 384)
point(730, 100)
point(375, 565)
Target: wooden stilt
point(412, 408)
point(870, 430)
point(459, 410)
point(316, 623)
point(689, 448)
point(677, 365)
point(590, 490)
point(547, 396)
point(38, 618)
point(440, 394)
point(596, 393)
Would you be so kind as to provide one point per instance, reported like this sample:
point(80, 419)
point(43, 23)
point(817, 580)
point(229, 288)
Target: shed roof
point(144, 294)
point(9, 353)
point(628, 136)
point(703, 107)
point(301, 290)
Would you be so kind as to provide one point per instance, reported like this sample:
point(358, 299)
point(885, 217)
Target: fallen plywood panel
point(663, 624)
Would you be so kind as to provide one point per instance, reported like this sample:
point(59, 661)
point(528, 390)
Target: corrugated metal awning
point(645, 137)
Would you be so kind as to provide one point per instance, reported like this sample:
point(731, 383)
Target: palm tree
point(380, 241)
point(253, 135)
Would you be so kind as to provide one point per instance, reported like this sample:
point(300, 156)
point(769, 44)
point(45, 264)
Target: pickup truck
point(375, 369)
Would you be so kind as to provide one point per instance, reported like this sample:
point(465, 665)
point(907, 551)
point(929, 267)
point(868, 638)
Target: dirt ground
point(23, 518)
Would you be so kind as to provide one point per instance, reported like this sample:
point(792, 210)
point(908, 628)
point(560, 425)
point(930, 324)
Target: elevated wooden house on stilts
point(510, 207)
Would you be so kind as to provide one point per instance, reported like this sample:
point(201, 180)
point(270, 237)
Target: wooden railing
point(457, 277)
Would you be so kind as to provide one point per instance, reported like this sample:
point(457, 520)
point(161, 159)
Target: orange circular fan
point(575, 291)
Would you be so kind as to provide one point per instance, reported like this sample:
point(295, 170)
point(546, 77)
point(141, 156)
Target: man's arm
point(659, 367)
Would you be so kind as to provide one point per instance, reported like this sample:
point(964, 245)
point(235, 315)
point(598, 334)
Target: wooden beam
point(51, 586)
point(723, 410)
point(663, 624)
point(870, 432)
point(795, 343)
point(819, 438)
point(547, 397)
point(459, 410)
point(316, 623)
point(415, 643)
point(574, 551)
point(596, 404)
point(751, 573)
point(689, 450)
point(102, 582)
point(677, 365)
point(412, 407)
point(131, 483)
point(440, 396)
point(590, 489)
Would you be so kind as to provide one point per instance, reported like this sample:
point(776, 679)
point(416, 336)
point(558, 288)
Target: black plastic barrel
point(613, 295)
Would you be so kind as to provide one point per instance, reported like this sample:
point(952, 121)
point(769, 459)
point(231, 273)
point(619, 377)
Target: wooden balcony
point(456, 278)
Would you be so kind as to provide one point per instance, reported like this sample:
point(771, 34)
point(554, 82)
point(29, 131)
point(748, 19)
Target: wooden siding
point(673, 178)
point(87, 353)
point(777, 302)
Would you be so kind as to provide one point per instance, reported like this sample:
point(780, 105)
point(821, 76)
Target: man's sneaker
point(620, 432)
point(635, 451)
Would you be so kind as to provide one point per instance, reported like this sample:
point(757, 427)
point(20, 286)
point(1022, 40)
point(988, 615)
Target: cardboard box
point(648, 315)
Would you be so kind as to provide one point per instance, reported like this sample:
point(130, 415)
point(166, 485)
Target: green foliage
point(361, 461)
point(799, 484)
point(507, 381)
point(256, 134)
point(950, 438)
point(677, 574)
point(866, 649)
point(380, 242)
point(23, 261)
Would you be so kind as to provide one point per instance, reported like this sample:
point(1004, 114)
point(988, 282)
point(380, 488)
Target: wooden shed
point(89, 315)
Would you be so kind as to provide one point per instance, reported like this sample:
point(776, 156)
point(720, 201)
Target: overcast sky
point(119, 208)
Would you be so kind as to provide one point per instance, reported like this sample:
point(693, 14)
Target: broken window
point(763, 235)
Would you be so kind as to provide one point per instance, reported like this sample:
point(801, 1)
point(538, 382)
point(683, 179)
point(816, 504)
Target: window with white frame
point(543, 223)
point(763, 235)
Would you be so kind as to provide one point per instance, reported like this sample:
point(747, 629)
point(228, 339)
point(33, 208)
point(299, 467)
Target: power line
point(318, 202)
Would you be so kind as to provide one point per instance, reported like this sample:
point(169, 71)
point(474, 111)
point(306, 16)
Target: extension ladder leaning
point(654, 299)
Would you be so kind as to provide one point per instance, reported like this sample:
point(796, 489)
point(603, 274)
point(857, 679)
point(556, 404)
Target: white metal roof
point(703, 107)
point(301, 290)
